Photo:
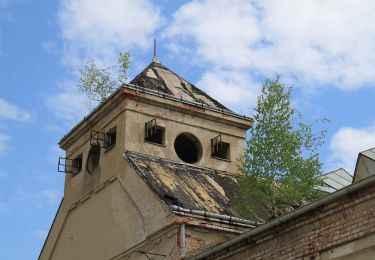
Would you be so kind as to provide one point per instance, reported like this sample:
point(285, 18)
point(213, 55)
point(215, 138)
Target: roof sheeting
point(186, 185)
point(337, 179)
point(158, 77)
point(365, 166)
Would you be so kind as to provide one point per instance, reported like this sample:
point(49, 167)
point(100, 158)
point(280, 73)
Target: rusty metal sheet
point(186, 185)
point(158, 77)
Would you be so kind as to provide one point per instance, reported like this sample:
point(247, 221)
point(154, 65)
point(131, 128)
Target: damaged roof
point(159, 78)
point(186, 185)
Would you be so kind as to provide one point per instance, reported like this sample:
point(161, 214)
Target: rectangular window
point(154, 133)
point(72, 166)
point(110, 138)
point(220, 149)
point(77, 164)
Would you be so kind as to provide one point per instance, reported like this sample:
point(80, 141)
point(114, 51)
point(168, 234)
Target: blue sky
point(326, 49)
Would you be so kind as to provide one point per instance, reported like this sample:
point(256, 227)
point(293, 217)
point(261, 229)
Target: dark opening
point(77, 164)
point(93, 159)
point(156, 135)
point(188, 148)
point(170, 200)
point(222, 151)
point(110, 138)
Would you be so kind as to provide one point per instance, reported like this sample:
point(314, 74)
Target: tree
point(124, 61)
point(98, 83)
point(281, 164)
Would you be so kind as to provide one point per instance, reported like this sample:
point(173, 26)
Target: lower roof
point(186, 185)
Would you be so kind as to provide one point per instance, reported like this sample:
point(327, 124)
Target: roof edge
point(298, 212)
point(171, 97)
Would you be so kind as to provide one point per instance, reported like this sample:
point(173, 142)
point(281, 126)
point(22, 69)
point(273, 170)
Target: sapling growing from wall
point(98, 83)
point(281, 165)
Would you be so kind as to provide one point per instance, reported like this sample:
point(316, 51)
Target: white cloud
point(50, 47)
point(40, 198)
point(3, 142)
point(67, 105)
point(40, 233)
point(51, 196)
point(98, 29)
point(12, 112)
point(347, 143)
point(102, 28)
point(316, 42)
point(243, 91)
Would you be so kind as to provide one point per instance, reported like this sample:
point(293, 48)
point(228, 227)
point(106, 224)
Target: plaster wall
point(175, 123)
point(111, 210)
point(116, 216)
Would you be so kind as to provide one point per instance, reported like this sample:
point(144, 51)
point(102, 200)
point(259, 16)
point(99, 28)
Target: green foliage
point(124, 61)
point(98, 83)
point(281, 164)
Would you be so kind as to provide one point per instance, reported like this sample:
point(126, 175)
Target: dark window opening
point(93, 159)
point(77, 164)
point(72, 166)
point(220, 149)
point(110, 138)
point(154, 133)
point(188, 148)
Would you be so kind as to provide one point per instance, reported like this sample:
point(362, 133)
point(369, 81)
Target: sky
point(324, 49)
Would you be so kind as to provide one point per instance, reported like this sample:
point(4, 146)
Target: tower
point(149, 174)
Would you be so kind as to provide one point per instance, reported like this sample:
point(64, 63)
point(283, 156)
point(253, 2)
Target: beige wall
point(177, 122)
point(106, 213)
point(117, 215)
point(129, 118)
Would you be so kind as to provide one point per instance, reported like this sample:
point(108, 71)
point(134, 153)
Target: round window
point(188, 148)
point(93, 159)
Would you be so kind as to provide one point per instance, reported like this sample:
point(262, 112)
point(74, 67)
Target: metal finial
point(154, 59)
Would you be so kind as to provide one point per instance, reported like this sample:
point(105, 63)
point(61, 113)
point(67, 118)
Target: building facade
point(149, 174)
point(340, 226)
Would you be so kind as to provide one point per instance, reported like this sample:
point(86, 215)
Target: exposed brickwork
point(193, 243)
point(306, 236)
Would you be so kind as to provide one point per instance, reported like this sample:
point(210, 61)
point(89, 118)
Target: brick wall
point(193, 243)
point(349, 218)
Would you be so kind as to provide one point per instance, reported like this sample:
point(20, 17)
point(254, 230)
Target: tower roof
point(159, 78)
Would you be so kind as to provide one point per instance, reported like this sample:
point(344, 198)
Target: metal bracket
point(101, 139)
point(150, 128)
point(97, 138)
point(66, 165)
point(216, 144)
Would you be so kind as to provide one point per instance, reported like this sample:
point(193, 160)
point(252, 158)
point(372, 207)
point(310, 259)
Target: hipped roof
point(159, 78)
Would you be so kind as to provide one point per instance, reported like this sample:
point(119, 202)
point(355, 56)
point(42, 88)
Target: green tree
point(281, 164)
point(98, 83)
point(124, 63)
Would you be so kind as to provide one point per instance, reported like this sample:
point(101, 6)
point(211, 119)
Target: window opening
point(110, 138)
point(154, 133)
point(77, 164)
point(188, 148)
point(103, 140)
point(220, 149)
point(68, 165)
